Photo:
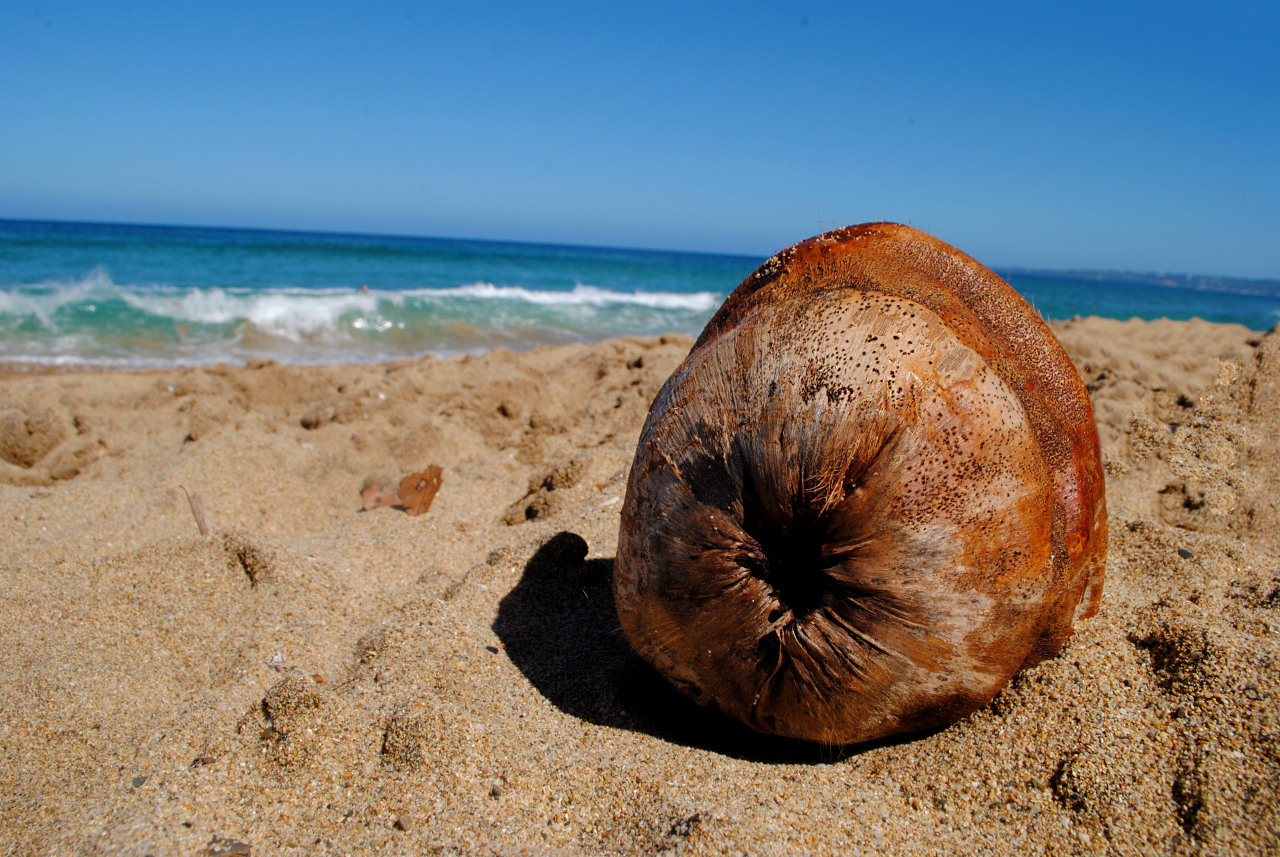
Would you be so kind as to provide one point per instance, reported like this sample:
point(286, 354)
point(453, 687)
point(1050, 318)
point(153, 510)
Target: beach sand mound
point(312, 678)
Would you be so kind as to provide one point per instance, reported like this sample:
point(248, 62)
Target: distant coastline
point(1237, 285)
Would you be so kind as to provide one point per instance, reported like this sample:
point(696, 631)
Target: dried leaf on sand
point(417, 490)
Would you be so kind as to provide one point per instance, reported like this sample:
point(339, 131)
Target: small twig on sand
point(197, 509)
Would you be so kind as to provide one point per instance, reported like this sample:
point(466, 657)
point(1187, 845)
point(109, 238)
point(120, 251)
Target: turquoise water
point(148, 296)
point(1253, 303)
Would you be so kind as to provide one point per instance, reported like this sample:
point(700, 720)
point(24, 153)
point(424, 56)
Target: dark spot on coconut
point(794, 565)
point(709, 479)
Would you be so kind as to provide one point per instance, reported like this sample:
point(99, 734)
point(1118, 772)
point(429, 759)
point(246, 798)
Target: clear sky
point(1133, 136)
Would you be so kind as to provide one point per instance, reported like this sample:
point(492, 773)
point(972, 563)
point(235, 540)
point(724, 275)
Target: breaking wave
point(93, 319)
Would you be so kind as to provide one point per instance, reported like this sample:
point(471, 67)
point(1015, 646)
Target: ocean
point(133, 296)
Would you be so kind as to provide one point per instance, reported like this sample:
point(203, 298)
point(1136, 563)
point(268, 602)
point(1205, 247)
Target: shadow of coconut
point(561, 630)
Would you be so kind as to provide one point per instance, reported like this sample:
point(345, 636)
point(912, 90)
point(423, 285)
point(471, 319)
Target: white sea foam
point(581, 295)
point(290, 313)
point(297, 313)
point(43, 299)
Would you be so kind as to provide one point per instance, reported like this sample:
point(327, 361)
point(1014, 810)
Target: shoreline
point(312, 676)
point(12, 367)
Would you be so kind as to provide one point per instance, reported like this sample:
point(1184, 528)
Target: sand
point(311, 678)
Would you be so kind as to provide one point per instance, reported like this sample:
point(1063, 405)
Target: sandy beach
point(312, 678)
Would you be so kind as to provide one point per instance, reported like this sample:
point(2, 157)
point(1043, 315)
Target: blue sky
point(1141, 136)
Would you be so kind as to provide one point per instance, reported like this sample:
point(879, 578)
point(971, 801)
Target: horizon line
point(1012, 269)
